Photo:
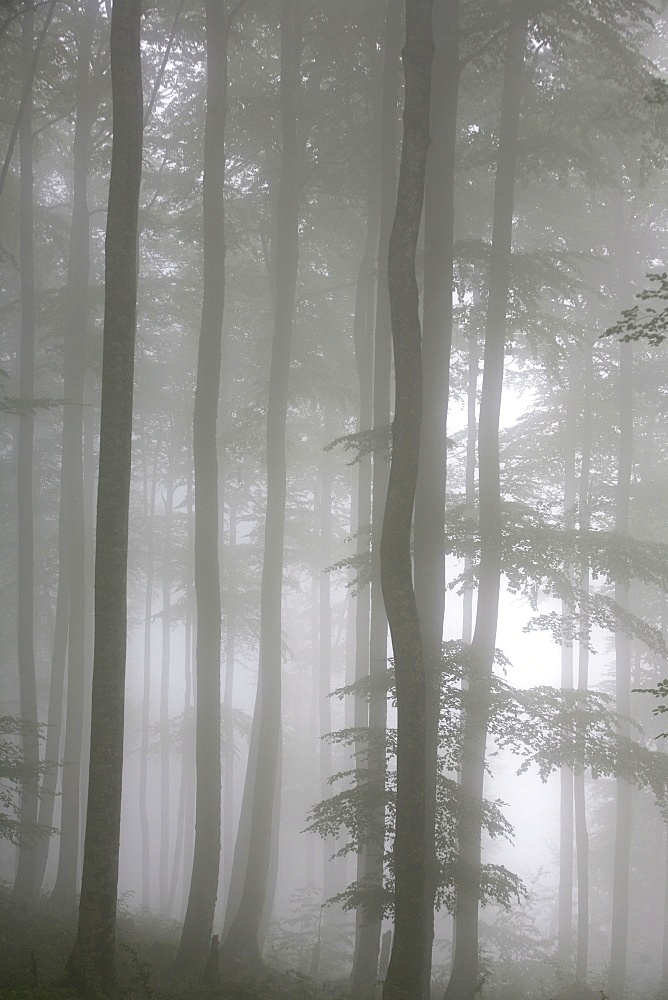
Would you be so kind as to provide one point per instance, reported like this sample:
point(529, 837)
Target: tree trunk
point(436, 344)
point(246, 910)
point(620, 890)
point(144, 823)
point(165, 748)
point(26, 885)
point(92, 961)
point(581, 835)
point(406, 969)
point(228, 701)
point(195, 938)
point(371, 862)
point(72, 476)
point(464, 978)
point(566, 854)
point(471, 433)
point(325, 639)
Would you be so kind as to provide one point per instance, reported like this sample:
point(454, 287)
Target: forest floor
point(35, 944)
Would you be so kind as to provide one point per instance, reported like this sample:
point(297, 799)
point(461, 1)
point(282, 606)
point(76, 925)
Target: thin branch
point(26, 93)
point(163, 65)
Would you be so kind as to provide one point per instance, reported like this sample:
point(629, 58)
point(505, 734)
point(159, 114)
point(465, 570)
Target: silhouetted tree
point(91, 963)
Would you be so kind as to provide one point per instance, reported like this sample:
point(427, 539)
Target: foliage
point(14, 771)
point(645, 322)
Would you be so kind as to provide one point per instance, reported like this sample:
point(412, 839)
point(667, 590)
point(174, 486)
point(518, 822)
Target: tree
point(71, 527)
point(91, 964)
point(257, 825)
point(370, 862)
point(25, 884)
point(436, 351)
point(194, 944)
point(464, 978)
point(405, 973)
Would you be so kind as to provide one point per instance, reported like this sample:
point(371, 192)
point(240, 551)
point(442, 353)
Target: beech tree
point(405, 973)
point(91, 964)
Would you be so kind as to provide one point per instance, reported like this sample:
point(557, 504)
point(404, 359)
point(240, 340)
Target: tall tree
point(436, 344)
point(464, 976)
point(255, 839)
point(194, 944)
point(25, 885)
point(624, 789)
point(405, 972)
point(72, 541)
point(371, 860)
point(91, 963)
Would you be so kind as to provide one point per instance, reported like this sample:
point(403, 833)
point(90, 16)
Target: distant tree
point(194, 944)
point(257, 833)
point(464, 978)
point(91, 964)
point(26, 883)
point(71, 604)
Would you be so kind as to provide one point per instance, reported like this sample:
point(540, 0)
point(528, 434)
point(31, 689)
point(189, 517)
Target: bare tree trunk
point(195, 938)
point(621, 874)
point(26, 886)
point(405, 974)
point(464, 977)
point(471, 433)
point(371, 863)
point(145, 826)
point(92, 961)
point(165, 733)
point(566, 852)
point(228, 701)
point(436, 345)
point(325, 638)
point(581, 835)
point(256, 838)
point(72, 474)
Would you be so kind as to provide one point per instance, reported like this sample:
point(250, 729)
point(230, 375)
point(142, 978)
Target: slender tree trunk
point(165, 748)
point(581, 835)
point(471, 433)
point(405, 974)
point(186, 762)
point(363, 340)
point(620, 891)
point(92, 960)
point(664, 951)
point(144, 823)
point(436, 345)
point(194, 945)
point(370, 867)
point(26, 886)
point(464, 977)
point(566, 853)
point(228, 700)
point(325, 639)
point(246, 910)
point(72, 543)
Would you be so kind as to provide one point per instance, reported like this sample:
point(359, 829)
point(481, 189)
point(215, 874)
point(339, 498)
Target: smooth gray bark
point(72, 544)
point(371, 864)
point(91, 964)
point(196, 934)
point(256, 839)
point(429, 540)
point(26, 886)
point(405, 974)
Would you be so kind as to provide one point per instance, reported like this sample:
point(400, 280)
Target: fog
point(333, 499)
